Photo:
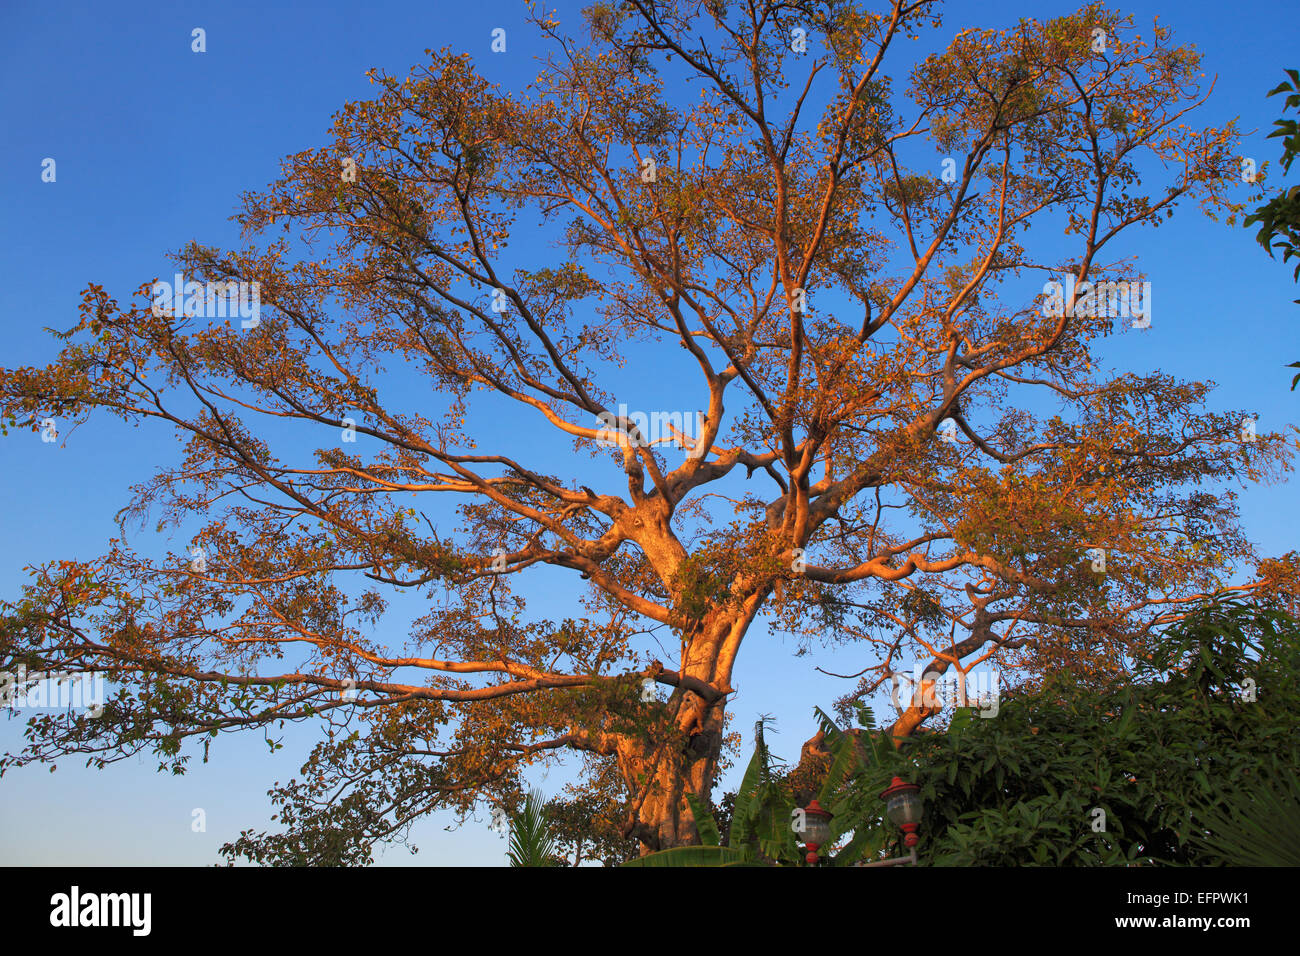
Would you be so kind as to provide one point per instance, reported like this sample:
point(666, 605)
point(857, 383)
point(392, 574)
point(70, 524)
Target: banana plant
point(757, 820)
point(761, 822)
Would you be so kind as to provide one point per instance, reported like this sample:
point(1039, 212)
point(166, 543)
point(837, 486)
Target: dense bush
point(1209, 722)
point(1192, 762)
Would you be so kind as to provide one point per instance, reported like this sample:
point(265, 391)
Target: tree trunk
point(660, 773)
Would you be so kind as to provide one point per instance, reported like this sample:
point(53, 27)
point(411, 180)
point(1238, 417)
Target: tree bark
point(660, 773)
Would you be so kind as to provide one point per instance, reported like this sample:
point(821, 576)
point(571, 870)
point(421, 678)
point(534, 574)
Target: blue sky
point(154, 144)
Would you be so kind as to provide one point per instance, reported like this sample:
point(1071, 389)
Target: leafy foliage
point(531, 842)
point(1279, 218)
point(1253, 825)
point(761, 829)
point(1026, 787)
point(587, 824)
point(1181, 767)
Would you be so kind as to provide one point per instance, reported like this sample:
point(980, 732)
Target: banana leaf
point(844, 760)
point(705, 825)
point(755, 772)
point(691, 856)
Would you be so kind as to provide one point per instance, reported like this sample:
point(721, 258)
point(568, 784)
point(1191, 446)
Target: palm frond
point(1256, 826)
point(531, 842)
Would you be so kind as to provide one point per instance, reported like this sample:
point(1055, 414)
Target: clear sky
point(153, 145)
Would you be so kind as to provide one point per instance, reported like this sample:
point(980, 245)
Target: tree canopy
point(803, 258)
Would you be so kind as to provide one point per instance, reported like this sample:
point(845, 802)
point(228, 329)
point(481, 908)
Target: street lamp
point(903, 805)
point(904, 809)
point(816, 829)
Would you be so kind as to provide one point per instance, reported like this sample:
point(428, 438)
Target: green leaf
point(531, 842)
point(828, 726)
point(705, 825)
point(691, 856)
point(1259, 827)
point(845, 754)
point(962, 719)
point(754, 774)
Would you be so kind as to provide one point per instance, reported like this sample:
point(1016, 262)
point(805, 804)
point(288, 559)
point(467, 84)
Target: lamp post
point(904, 809)
point(816, 829)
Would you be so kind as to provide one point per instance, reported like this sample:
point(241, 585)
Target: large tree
point(899, 439)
